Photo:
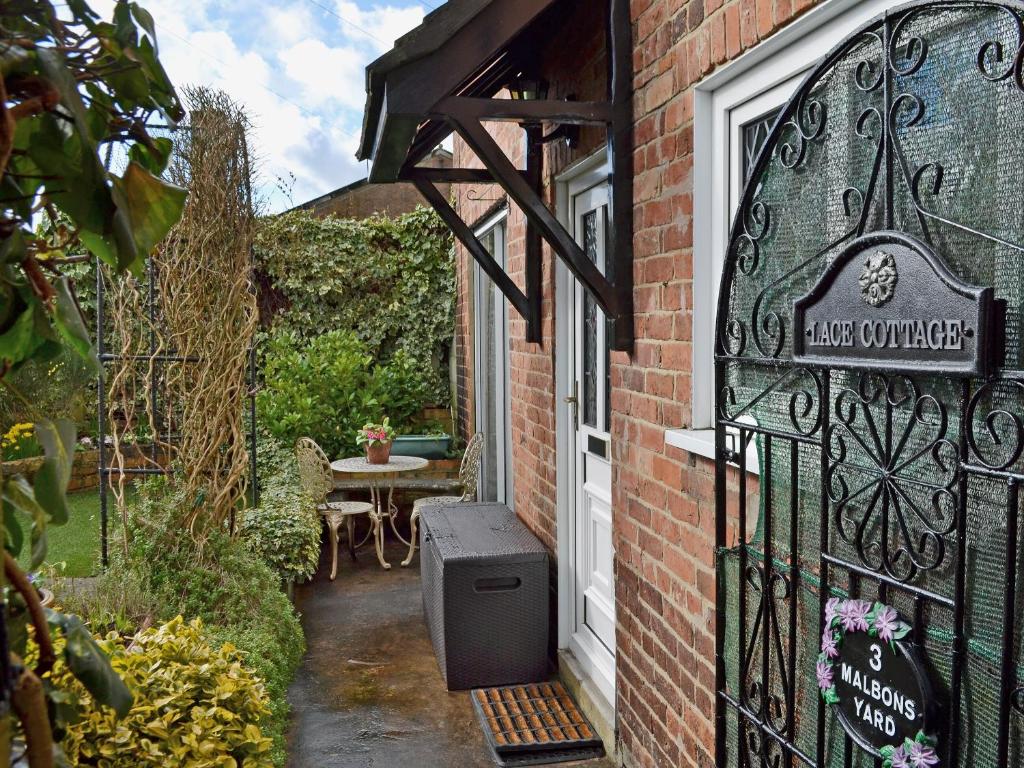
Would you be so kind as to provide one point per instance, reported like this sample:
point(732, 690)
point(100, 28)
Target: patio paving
point(369, 694)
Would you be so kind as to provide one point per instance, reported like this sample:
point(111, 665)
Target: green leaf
point(144, 19)
point(100, 247)
point(14, 537)
point(18, 495)
point(154, 159)
point(72, 328)
point(19, 341)
point(91, 666)
point(153, 206)
point(902, 632)
point(51, 481)
point(12, 249)
point(39, 546)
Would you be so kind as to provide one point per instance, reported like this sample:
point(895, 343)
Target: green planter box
point(424, 446)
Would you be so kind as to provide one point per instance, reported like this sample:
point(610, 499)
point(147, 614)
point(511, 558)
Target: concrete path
point(369, 694)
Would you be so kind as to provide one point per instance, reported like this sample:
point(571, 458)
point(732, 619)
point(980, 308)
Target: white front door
point(593, 583)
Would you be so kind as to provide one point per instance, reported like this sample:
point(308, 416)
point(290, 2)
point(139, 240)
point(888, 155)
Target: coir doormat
point(535, 725)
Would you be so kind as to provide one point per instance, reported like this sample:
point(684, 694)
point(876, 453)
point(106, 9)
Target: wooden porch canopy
point(442, 78)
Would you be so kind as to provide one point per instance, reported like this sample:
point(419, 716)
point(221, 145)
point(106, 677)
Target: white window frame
point(760, 80)
point(481, 282)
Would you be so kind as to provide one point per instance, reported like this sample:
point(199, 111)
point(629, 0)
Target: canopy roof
point(464, 48)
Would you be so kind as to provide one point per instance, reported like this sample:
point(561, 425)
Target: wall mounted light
point(525, 87)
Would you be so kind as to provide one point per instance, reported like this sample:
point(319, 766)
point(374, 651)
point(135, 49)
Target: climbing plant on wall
point(390, 280)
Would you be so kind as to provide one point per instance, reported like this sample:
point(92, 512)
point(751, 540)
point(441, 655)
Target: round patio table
point(381, 479)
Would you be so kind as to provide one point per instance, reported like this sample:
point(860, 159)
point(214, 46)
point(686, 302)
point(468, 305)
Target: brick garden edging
point(84, 470)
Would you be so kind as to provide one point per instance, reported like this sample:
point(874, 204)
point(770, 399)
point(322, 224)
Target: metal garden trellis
point(158, 359)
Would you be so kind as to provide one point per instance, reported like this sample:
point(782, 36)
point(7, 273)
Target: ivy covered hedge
point(390, 280)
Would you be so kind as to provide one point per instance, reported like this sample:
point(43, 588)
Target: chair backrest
point(315, 473)
point(469, 472)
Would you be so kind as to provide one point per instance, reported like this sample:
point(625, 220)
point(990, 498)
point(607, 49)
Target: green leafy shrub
point(194, 705)
point(328, 388)
point(236, 595)
point(391, 281)
point(275, 665)
point(284, 530)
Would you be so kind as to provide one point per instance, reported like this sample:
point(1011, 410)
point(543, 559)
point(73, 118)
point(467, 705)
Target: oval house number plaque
point(874, 679)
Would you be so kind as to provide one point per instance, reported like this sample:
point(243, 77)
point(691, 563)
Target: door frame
point(577, 178)
point(503, 411)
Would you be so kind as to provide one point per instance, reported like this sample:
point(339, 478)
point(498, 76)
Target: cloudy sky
point(296, 65)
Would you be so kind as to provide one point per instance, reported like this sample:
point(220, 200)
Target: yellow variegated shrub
point(195, 706)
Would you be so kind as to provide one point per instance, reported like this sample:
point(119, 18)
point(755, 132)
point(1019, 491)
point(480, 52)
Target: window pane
point(755, 134)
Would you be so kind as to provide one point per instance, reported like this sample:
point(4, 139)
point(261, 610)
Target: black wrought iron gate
point(870, 410)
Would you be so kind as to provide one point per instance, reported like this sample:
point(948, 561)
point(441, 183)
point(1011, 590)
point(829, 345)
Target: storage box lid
point(490, 532)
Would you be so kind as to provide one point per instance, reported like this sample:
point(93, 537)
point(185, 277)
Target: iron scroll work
point(888, 301)
point(870, 401)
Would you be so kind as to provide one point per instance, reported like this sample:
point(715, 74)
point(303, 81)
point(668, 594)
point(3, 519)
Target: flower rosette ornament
point(881, 621)
point(912, 753)
point(879, 278)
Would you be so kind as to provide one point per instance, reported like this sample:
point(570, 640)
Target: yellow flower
point(16, 434)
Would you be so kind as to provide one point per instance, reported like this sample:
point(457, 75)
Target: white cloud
point(326, 74)
point(286, 24)
point(386, 23)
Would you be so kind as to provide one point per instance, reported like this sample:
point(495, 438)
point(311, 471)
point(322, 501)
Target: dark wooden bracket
point(613, 291)
point(521, 301)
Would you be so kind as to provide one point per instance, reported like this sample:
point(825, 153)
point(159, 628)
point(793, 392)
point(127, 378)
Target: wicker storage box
point(485, 595)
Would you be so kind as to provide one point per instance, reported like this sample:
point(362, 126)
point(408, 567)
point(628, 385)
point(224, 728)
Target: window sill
point(701, 442)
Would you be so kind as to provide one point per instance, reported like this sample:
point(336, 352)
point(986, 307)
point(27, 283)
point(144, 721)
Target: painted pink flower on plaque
point(831, 610)
point(823, 671)
point(853, 615)
point(899, 759)
point(922, 756)
point(887, 622)
point(829, 644)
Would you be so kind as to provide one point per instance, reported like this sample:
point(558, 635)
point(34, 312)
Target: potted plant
point(377, 438)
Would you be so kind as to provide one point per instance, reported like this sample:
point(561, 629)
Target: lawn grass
point(76, 543)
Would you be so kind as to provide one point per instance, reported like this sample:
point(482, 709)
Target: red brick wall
point(663, 497)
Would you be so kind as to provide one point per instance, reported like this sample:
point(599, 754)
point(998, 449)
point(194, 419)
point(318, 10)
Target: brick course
point(663, 497)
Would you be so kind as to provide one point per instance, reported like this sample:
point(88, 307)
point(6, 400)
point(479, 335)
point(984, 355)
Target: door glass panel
point(590, 319)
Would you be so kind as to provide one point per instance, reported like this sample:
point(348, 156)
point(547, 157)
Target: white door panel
point(593, 554)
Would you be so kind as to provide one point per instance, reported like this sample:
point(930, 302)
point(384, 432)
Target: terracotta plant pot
point(379, 453)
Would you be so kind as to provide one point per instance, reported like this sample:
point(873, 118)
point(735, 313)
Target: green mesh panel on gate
point(943, 85)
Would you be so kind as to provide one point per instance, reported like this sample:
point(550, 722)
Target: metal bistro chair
point(469, 474)
point(317, 480)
